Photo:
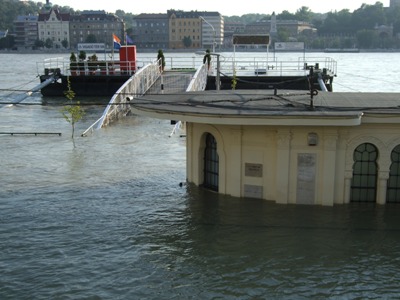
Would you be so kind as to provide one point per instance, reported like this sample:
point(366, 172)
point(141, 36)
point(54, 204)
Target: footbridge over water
point(150, 80)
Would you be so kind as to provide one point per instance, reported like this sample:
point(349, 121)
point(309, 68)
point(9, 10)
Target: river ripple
point(108, 219)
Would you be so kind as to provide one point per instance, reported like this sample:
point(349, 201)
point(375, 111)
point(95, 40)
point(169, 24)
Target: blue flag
point(129, 41)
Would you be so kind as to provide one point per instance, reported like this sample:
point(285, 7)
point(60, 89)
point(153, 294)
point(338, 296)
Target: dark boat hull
point(94, 85)
point(270, 82)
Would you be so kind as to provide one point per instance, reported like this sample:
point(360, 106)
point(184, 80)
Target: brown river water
point(105, 216)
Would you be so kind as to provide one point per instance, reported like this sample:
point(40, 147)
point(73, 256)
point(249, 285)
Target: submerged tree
point(161, 59)
point(234, 80)
point(187, 41)
point(72, 112)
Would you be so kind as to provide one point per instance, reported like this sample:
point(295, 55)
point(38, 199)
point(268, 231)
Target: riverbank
point(68, 51)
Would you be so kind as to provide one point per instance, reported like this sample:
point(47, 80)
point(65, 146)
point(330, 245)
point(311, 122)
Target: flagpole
point(112, 52)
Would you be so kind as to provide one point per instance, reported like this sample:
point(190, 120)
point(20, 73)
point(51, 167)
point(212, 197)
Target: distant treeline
point(335, 29)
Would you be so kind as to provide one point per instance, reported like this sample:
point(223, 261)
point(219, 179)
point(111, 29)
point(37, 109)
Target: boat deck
point(261, 107)
point(105, 78)
point(171, 82)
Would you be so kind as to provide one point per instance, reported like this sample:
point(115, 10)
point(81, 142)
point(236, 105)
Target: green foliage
point(8, 42)
point(48, 43)
point(366, 38)
point(393, 17)
point(93, 57)
point(286, 15)
point(128, 19)
point(64, 43)
point(334, 23)
point(72, 57)
point(187, 41)
point(73, 64)
point(91, 38)
point(69, 94)
point(246, 19)
point(73, 112)
point(303, 14)
point(82, 55)
point(160, 55)
point(234, 80)
point(367, 16)
point(39, 44)
point(283, 34)
point(207, 58)
point(10, 9)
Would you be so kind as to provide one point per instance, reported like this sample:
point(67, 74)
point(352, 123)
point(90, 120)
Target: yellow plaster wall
point(277, 149)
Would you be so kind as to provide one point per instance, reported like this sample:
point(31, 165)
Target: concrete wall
point(299, 165)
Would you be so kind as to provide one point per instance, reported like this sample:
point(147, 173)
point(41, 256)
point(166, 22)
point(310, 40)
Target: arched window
point(393, 185)
point(211, 163)
point(363, 185)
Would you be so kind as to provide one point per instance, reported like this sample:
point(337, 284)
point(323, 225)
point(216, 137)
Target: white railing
point(50, 65)
point(146, 76)
point(181, 63)
point(100, 67)
point(119, 105)
point(198, 83)
point(199, 80)
point(275, 67)
point(136, 86)
point(228, 65)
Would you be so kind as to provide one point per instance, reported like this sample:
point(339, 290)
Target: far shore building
point(394, 3)
point(184, 27)
point(277, 146)
point(230, 29)
point(212, 31)
point(54, 26)
point(150, 31)
point(89, 26)
point(179, 29)
point(26, 31)
point(98, 25)
point(292, 27)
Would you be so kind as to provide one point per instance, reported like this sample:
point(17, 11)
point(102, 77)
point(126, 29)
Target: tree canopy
point(360, 23)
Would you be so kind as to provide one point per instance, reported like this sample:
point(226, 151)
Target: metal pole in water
point(162, 84)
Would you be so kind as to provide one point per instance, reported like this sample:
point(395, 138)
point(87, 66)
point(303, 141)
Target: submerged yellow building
point(289, 146)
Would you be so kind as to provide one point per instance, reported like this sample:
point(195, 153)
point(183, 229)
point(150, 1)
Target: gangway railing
point(198, 83)
point(61, 65)
point(199, 80)
point(135, 86)
point(275, 67)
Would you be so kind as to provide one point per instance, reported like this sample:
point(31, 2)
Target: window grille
point(211, 163)
point(363, 185)
point(393, 185)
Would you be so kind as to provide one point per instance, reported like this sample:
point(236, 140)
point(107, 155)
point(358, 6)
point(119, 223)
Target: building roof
point(263, 107)
point(27, 18)
point(93, 12)
point(180, 14)
point(151, 16)
point(60, 16)
point(93, 16)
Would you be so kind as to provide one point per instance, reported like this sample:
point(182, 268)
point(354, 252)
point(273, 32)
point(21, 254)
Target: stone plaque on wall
point(306, 175)
point(253, 170)
point(253, 191)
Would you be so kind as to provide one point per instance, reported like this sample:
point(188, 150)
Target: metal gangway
point(149, 80)
point(23, 96)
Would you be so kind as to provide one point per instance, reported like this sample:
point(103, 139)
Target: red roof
point(60, 16)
